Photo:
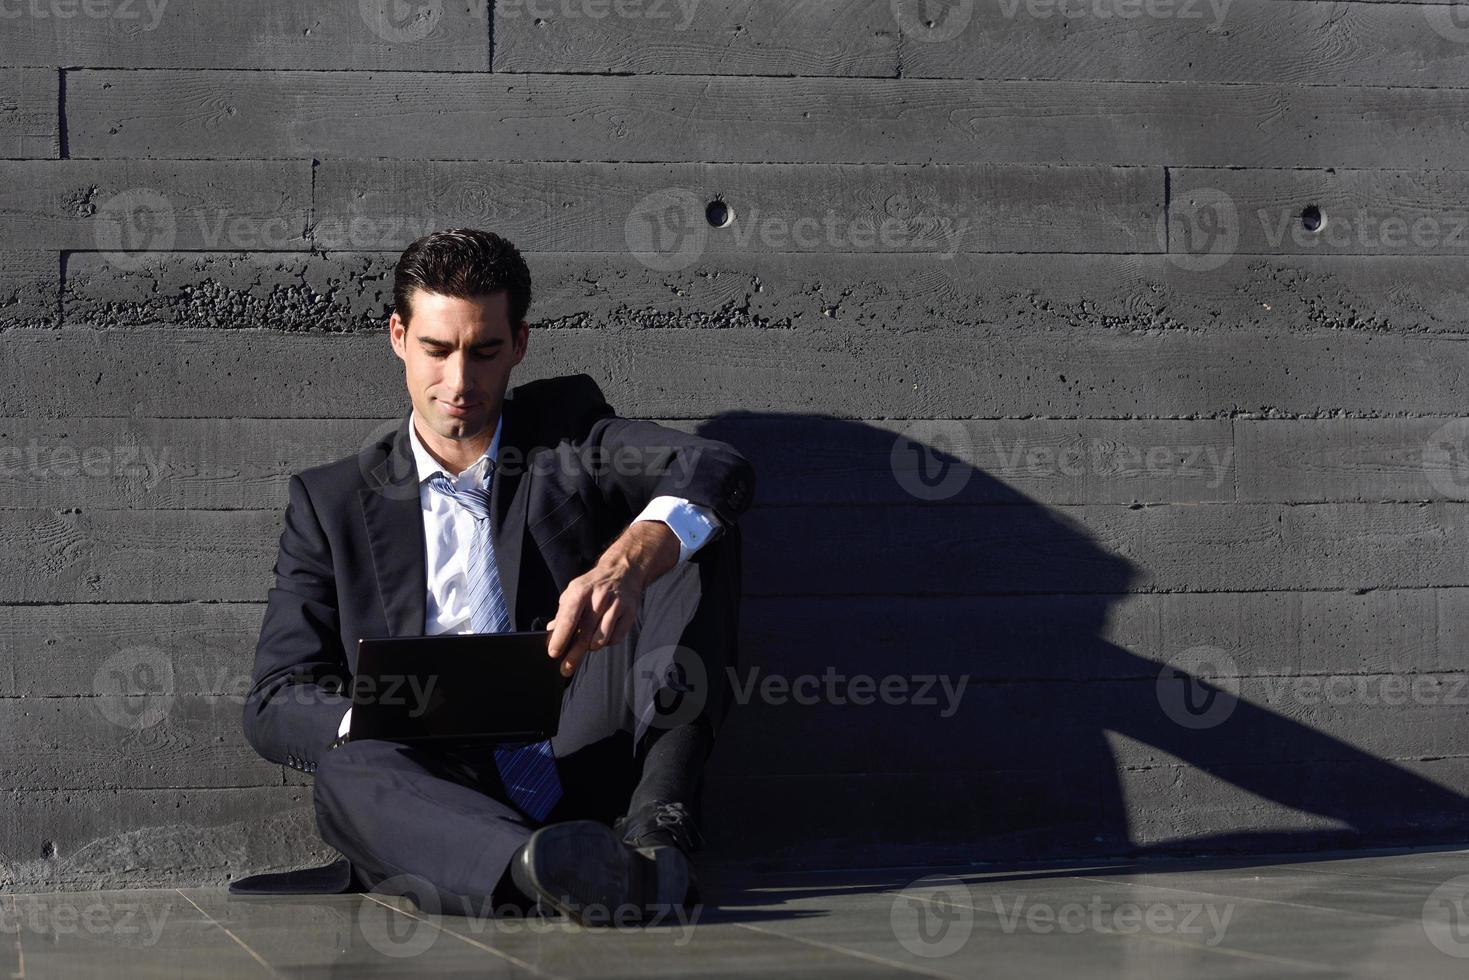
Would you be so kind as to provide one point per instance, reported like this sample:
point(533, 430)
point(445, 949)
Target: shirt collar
point(427, 466)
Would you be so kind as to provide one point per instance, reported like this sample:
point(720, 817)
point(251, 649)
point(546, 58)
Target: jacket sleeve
point(633, 461)
point(296, 698)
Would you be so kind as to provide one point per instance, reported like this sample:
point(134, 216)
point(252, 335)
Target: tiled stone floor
point(1396, 914)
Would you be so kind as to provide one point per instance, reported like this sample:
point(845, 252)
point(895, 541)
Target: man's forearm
point(646, 548)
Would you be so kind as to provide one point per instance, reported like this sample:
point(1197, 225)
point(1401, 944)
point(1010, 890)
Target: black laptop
point(457, 687)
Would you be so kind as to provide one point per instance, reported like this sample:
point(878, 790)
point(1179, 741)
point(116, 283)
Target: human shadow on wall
point(847, 571)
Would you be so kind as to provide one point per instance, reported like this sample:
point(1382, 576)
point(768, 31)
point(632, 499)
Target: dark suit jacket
point(570, 476)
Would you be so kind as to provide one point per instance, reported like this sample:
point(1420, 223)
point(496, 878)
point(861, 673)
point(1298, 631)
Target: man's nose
point(455, 377)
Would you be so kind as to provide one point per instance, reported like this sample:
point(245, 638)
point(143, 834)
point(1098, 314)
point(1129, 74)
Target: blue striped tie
point(529, 768)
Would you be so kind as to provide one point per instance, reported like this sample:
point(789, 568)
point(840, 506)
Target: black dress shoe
point(330, 879)
point(585, 870)
point(666, 834)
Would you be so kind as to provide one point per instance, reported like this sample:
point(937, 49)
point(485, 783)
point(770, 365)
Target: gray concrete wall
point(1053, 389)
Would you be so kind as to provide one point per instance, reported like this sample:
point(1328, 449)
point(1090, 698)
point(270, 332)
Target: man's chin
point(460, 426)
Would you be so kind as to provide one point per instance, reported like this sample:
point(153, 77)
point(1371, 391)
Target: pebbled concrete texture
point(995, 295)
point(1105, 378)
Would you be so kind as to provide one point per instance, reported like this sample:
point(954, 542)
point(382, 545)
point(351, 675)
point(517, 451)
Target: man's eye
point(485, 357)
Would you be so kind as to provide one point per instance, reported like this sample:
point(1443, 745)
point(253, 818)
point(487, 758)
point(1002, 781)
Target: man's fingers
point(607, 631)
point(625, 620)
point(578, 644)
point(568, 617)
point(560, 634)
point(574, 656)
point(597, 635)
point(581, 626)
point(569, 665)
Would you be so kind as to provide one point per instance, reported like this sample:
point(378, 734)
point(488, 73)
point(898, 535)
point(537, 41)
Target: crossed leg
point(638, 720)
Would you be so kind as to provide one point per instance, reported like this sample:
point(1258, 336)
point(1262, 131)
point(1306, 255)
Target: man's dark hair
point(464, 263)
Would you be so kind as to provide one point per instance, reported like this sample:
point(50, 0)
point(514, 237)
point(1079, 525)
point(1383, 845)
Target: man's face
point(458, 354)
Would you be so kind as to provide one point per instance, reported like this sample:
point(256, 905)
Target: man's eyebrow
point(434, 342)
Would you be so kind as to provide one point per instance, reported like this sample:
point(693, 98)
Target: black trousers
point(436, 822)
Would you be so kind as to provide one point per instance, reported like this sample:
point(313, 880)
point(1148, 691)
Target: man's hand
point(598, 608)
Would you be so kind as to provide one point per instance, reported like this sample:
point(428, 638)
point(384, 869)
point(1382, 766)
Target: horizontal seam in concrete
point(1343, 590)
point(1294, 590)
point(955, 81)
point(829, 505)
point(111, 790)
point(757, 418)
point(1046, 681)
point(1252, 415)
point(804, 162)
point(816, 504)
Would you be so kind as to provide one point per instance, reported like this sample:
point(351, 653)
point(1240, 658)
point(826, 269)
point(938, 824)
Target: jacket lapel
point(509, 491)
point(394, 518)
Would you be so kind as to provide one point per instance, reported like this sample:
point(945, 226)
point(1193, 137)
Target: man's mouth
point(458, 411)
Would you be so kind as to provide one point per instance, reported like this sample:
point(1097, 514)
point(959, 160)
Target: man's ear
point(398, 336)
point(521, 340)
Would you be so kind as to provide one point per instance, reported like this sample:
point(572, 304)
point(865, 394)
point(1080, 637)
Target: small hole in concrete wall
point(48, 849)
point(718, 214)
point(1312, 218)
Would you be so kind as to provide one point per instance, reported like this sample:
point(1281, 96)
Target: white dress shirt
point(447, 526)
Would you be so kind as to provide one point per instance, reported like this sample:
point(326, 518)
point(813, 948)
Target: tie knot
point(476, 500)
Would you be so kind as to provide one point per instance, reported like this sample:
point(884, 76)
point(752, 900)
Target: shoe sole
point(583, 870)
point(672, 869)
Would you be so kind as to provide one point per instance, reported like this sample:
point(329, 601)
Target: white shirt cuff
point(346, 724)
point(694, 525)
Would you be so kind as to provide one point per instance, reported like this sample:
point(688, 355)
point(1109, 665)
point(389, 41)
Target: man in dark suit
point(489, 509)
